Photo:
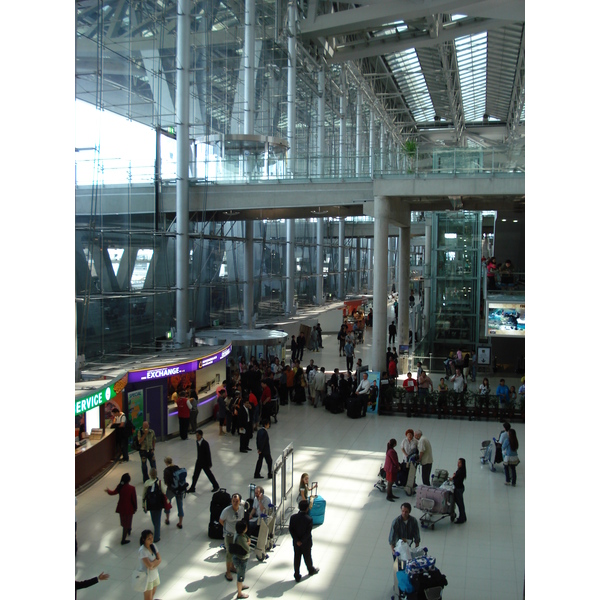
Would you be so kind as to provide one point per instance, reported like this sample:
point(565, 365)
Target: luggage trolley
point(435, 502)
point(491, 453)
point(264, 541)
point(417, 578)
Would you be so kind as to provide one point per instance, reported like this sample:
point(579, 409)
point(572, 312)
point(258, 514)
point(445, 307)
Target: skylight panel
point(407, 71)
point(471, 56)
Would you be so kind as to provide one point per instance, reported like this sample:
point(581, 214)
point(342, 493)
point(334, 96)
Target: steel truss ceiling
point(445, 71)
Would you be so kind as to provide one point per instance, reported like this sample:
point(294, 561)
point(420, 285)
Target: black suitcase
point(220, 501)
point(354, 410)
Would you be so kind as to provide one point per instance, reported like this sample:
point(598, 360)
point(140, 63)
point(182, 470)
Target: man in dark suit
point(245, 424)
point(300, 529)
point(263, 447)
point(203, 462)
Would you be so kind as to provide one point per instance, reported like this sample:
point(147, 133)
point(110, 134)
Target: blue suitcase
point(317, 510)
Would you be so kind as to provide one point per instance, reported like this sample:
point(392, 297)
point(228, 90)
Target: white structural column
point(382, 146)
point(380, 273)
point(290, 263)
point(341, 255)
point(291, 89)
point(343, 108)
point(372, 144)
point(249, 53)
point(320, 237)
point(404, 285)
point(358, 261)
point(248, 274)
point(182, 109)
point(321, 124)
point(370, 264)
point(359, 136)
point(427, 278)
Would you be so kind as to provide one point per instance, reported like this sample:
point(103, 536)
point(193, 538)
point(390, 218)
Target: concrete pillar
point(343, 108)
point(370, 264)
point(382, 146)
point(248, 275)
point(290, 262)
point(182, 110)
point(404, 285)
point(372, 144)
point(380, 248)
point(320, 237)
point(341, 255)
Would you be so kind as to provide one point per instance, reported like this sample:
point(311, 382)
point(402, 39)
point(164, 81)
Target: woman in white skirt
point(149, 561)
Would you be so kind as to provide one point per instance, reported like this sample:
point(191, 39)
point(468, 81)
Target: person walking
point(263, 447)
point(149, 561)
point(459, 489)
point(300, 529)
point(147, 442)
point(174, 490)
point(154, 501)
point(240, 561)
point(391, 468)
point(126, 506)
point(349, 352)
point(425, 455)
point(404, 527)
point(510, 445)
point(203, 463)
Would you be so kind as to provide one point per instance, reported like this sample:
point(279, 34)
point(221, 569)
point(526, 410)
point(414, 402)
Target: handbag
point(166, 504)
point(511, 460)
point(139, 580)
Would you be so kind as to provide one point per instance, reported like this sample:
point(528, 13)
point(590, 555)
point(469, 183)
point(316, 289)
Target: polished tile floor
point(482, 559)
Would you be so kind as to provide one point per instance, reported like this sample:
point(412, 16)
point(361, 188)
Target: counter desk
point(94, 457)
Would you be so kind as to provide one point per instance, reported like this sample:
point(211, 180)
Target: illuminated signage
point(94, 400)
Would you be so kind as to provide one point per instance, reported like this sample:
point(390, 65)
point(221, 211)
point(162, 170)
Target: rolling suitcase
point(220, 501)
point(409, 488)
point(443, 499)
point(317, 510)
point(354, 410)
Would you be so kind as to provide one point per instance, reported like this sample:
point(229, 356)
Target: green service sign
point(94, 400)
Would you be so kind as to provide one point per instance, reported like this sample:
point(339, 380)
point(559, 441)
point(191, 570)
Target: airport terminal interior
point(253, 165)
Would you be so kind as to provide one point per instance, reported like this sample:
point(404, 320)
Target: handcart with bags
point(436, 503)
point(415, 575)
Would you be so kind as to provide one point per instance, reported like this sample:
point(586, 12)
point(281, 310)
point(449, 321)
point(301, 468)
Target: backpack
point(129, 428)
point(179, 484)
point(154, 497)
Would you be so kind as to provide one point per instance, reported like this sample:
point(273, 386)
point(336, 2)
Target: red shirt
point(266, 395)
point(182, 408)
point(409, 384)
point(252, 399)
point(392, 371)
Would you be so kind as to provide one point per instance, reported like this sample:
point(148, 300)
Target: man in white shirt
point(320, 386)
point(362, 391)
point(259, 507)
point(459, 381)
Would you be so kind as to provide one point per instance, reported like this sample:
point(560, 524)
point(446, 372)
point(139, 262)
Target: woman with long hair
point(304, 489)
point(510, 445)
point(459, 489)
point(149, 561)
point(391, 468)
point(126, 506)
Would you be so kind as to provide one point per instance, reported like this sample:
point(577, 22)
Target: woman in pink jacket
point(391, 468)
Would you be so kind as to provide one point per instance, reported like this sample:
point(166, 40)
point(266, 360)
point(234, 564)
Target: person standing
point(203, 463)
point(319, 335)
point(149, 561)
point(405, 528)
point(228, 519)
point(183, 412)
point(126, 506)
point(425, 384)
point(391, 468)
point(294, 347)
point(320, 386)
point(260, 506)
point(459, 489)
point(173, 490)
point(245, 425)
point(425, 455)
point(301, 346)
point(119, 421)
point(510, 445)
point(392, 333)
point(147, 442)
point(363, 390)
point(341, 336)
point(222, 404)
point(349, 352)
point(194, 410)
point(301, 531)
point(240, 561)
point(153, 500)
point(263, 447)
